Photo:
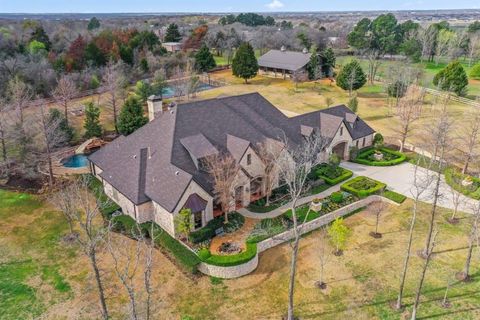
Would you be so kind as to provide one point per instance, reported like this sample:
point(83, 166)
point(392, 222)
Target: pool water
point(76, 161)
point(169, 92)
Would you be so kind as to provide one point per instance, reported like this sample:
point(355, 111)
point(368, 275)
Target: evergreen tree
point(452, 78)
point(93, 24)
point(92, 121)
point(94, 55)
point(244, 64)
point(159, 83)
point(351, 77)
point(172, 34)
point(143, 90)
point(57, 119)
point(131, 117)
point(40, 35)
point(475, 72)
point(328, 61)
point(313, 66)
point(204, 59)
point(353, 103)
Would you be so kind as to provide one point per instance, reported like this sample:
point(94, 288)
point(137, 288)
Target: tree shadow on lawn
point(386, 301)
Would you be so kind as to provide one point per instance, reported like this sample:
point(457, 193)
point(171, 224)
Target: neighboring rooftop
point(283, 59)
point(165, 150)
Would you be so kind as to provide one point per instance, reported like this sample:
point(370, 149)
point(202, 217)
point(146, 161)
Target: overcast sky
point(106, 6)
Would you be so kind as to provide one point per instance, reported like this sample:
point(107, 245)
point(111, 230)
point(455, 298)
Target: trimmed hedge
point(208, 232)
point(363, 187)
point(229, 260)
point(394, 196)
point(454, 178)
point(188, 259)
point(364, 154)
point(345, 174)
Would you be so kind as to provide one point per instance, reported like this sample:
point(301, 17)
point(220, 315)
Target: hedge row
point(451, 174)
point(361, 158)
point(346, 174)
point(394, 196)
point(208, 232)
point(229, 260)
point(371, 186)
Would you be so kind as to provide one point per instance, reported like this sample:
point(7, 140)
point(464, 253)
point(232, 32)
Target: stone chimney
point(155, 106)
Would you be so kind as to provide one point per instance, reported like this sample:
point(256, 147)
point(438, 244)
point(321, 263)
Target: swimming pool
point(76, 161)
point(169, 92)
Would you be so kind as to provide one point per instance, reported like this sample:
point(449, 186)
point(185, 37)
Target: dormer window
point(249, 159)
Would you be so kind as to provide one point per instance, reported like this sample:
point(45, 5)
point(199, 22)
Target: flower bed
point(268, 228)
point(277, 199)
point(229, 260)
point(390, 157)
point(363, 187)
point(332, 175)
point(235, 222)
point(455, 179)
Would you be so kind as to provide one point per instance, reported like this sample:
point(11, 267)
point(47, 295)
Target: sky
point(114, 6)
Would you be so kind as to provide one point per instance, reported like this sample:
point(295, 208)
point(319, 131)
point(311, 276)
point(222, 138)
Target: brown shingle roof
point(288, 60)
point(230, 124)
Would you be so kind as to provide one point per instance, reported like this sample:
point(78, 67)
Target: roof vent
point(305, 50)
point(177, 173)
point(283, 49)
point(134, 156)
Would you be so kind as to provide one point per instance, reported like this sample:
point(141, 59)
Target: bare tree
point(323, 257)
point(374, 62)
point(126, 262)
point(113, 84)
point(408, 111)
point(65, 91)
point(465, 274)
point(3, 131)
point(457, 199)
point(421, 182)
point(19, 95)
point(469, 137)
point(473, 48)
point(376, 209)
point(51, 136)
point(269, 151)
point(422, 276)
point(295, 164)
point(427, 38)
point(444, 38)
point(223, 171)
point(76, 202)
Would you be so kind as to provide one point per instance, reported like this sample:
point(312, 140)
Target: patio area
point(238, 237)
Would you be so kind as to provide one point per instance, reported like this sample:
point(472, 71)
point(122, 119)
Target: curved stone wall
point(229, 272)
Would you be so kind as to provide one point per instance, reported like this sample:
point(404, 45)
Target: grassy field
point(42, 275)
point(430, 69)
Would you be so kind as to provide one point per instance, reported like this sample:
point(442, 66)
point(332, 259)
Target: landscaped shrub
point(301, 213)
point(231, 260)
point(455, 178)
point(363, 187)
point(235, 221)
point(108, 206)
point(332, 175)
point(267, 228)
point(337, 197)
point(124, 223)
point(394, 196)
point(390, 157)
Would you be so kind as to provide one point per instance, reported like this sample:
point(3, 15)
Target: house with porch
point(160, 169)
point(284, 64)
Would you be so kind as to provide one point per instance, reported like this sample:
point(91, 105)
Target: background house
point(284, 64)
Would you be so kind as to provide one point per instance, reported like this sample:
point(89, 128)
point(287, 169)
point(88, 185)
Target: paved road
point(400, 178)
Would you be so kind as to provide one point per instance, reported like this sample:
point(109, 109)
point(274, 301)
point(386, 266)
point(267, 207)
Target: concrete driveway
point(400, 179)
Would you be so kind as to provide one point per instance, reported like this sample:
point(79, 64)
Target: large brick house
point(156, 171)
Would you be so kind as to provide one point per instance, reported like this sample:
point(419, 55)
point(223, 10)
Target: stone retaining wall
point(250, 266)
point(229, 272)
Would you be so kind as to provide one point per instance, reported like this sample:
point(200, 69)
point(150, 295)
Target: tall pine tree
point(172, 34)
point(92, 121)
point(131, 117)
point(244, 64)
point(204, 59)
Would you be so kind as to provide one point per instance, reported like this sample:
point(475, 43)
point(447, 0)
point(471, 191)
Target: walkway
point(280, 210)
point(400, 179)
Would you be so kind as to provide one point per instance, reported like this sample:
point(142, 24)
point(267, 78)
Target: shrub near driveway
point(332, 176)
point(454, 179)
point(390, 157)
point(363, 187)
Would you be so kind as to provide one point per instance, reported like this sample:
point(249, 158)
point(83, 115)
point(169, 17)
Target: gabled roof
point(198, 146)
point(155, 162)
point(288, 60)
